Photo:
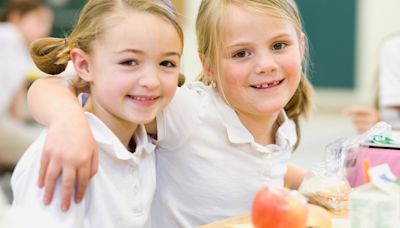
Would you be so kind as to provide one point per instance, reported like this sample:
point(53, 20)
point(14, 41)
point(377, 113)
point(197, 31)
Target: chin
point(271, 108)
point(142, 118)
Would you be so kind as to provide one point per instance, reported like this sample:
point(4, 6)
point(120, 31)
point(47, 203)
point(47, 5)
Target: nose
point(150, 78)
point(266, 63)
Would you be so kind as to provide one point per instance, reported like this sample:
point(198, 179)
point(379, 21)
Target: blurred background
point(345, 37)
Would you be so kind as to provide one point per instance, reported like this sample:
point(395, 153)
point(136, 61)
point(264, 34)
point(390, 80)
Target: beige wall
point(191, 66)
point(377, 19)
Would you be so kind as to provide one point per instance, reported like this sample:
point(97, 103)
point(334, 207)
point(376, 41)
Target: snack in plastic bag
point(329, 191)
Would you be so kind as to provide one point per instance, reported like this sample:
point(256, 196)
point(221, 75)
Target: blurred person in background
point(387, 107)
point(22, 22)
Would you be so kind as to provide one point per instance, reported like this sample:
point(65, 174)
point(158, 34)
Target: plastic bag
point(326, 184)
point(326, 188)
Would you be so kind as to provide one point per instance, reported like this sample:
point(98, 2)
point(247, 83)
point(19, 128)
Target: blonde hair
point(51, 55)
point(210, 40)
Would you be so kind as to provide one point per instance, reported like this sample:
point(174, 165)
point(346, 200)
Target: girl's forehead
point(238, 19)
point(139, 31)
point(233, 10)
point(250, 18)
point(133, 20)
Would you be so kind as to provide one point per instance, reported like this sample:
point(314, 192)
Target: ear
point(206, 67)
point(81, 61)
point(302, 45)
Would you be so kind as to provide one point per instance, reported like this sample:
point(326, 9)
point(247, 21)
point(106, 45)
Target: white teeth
point(263, 86)
point(143, 98)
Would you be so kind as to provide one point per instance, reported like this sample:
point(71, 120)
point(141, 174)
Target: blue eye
point(168, 64)
point(129, 62)
point(241, 54)
point(278, 46)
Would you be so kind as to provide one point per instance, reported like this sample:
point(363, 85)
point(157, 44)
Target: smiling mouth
point(143, 98)
point(267, 85)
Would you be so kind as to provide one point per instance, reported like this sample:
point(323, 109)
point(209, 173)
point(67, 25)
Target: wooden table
point(237, 221)
point(244, 220)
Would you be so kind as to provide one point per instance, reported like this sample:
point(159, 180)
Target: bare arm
point(70, 150)
point(49, 94)
point(294, 176)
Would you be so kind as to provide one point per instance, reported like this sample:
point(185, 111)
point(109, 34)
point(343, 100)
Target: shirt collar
point(238, 134)
point(111, 144)
point(286, 130)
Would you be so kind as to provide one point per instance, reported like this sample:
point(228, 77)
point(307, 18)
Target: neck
point(121, 128)
point(263, 128)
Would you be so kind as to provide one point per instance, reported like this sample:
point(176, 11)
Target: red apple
point(279, 208)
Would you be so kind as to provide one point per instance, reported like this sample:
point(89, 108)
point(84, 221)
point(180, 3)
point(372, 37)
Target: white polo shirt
point(15, 63)
point(208, 165)
point(119, 195)
point(389, 79)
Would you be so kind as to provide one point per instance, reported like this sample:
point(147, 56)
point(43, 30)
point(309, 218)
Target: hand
point(363, 118)
point(69, 151)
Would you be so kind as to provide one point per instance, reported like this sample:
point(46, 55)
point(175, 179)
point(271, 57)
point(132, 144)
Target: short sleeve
point(389, 73)
point(181, 116)
point(28, 196)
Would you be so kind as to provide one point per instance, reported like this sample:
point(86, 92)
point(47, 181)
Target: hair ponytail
point(50, 55)
point(300, 104)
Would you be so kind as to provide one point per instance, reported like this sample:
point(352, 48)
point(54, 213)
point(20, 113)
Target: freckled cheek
point(293, 69)
point(113, 88)
point(169, 88)
point(234, 76)
point(232, 81)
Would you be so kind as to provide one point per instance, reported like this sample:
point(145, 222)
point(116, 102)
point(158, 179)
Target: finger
point(44, 163)
point(94, 163)
point(53, 172)
point(362, 120)
point(67, 187)
point(362, 129)
point(360, 111)
point(82, 182)
point(353, 109)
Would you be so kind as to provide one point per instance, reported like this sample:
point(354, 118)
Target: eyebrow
point(130, 50)
point(279, 36)
point(171, 53)
point(282, 35)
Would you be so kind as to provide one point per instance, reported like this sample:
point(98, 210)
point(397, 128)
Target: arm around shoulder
point(70, 149)
point(51, 97)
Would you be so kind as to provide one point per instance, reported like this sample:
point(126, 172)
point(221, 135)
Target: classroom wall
point(331, 41)
point(377, 19)
point(191, 66)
